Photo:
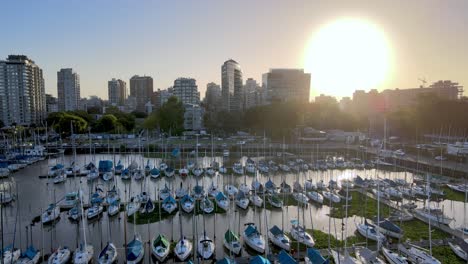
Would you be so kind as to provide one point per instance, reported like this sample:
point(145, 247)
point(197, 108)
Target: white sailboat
point(60, 256)
point(253, 238)
point(393, 257)
point(279, 238)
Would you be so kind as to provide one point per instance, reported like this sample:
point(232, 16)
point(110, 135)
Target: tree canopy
point(169, 118)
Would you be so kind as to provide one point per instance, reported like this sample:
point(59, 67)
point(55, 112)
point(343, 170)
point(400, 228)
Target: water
point(35, 194)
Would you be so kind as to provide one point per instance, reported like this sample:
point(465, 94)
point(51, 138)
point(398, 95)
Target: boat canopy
point(275, 230)
point(259, 260)
point(30, 252)
point(105, 166)
point(198, 189)
point(134, 249)
point(229, 236)
point(169, 199)
point(161, 241)
point(221, 196)
point(270, 185)
point(315, 257)
point(225, 261)
point(285, 258)
point(387, 225)
point(187, 198)
point(251, 230)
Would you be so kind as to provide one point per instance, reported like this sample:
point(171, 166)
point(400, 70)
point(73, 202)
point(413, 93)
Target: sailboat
point(164, 192)
point(31, 256)
point(205, 247)
point(51, 214)
point(275, 200)
point(187, 203)
point(60, 256)
point(242, 201)
point(222, 201)
point(299, 233)
point(315, 196)
point(231, 242)
point(132, 207)
point(460, 248)
point(83, 254)
point(231, 190)
point(60, 178)
point(369, 231)
point(314, 257)
point(183, 249)
point(10, 254)
point(418, 255)
point(393, 257)
point(108, 255)
point(181, 192)
point(135, 250)
point(278, 238)
point(206, 205)
point(160, 247)
point(154, 173)
point(169, 204)
point(148, 208)
point(344, 258)
point(198, 191)
point(118, 168)
point(253, 238)
point(367, 256)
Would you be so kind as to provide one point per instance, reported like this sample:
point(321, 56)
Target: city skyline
point(149, 46)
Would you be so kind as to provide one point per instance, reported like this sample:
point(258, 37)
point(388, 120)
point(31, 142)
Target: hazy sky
point(169, 39)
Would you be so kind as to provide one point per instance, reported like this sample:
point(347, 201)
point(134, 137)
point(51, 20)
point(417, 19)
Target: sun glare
point(346, 55)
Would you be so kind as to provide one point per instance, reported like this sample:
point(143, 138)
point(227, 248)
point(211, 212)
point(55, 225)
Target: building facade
point(186, 90)
point(212, 97)
point(22, 91)
point(117, 90)
point(51, 104)
point(141, 88)
point(68, 90)
point(231, 86)
point(252, 94)
point(193, 117)
point(160, 97)
point(287, 85)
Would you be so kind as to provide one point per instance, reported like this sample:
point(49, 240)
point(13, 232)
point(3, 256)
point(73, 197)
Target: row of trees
point(277, 119)
point(112, 121)
point(430, 114)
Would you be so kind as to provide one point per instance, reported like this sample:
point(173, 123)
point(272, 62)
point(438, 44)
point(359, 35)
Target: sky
point(108, 39)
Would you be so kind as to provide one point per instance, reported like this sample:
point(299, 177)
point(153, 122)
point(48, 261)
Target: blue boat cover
point(275, 230)
point(285, 258)
point(186, 198)
point(105, 166)
point(225, 261)
point(259, 260)
point(315, 257)
point(30, 252)
point(134, 249)
point(169, 199)
point(251, 230)
point(221, 196)
point(387, 225)
point(270, 185)
point(154, 171)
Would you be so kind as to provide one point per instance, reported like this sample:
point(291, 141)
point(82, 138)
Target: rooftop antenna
point(423, 82)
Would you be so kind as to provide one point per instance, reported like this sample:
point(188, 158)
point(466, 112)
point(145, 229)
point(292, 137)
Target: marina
point(142, 211)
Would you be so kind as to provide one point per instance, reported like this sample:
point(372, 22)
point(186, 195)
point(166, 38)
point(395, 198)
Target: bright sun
point(346, 55)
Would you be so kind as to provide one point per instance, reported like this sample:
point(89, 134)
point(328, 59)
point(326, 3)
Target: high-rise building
point(287, 85)
point(51, 104)
point(22, 92)
point(252, 94)
point(141, 88)
point(68, 90)
point(117, 90)
point(231, 86)
point(213, 96)
point(186, 90)
point(160, 97)
point(193, 117)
